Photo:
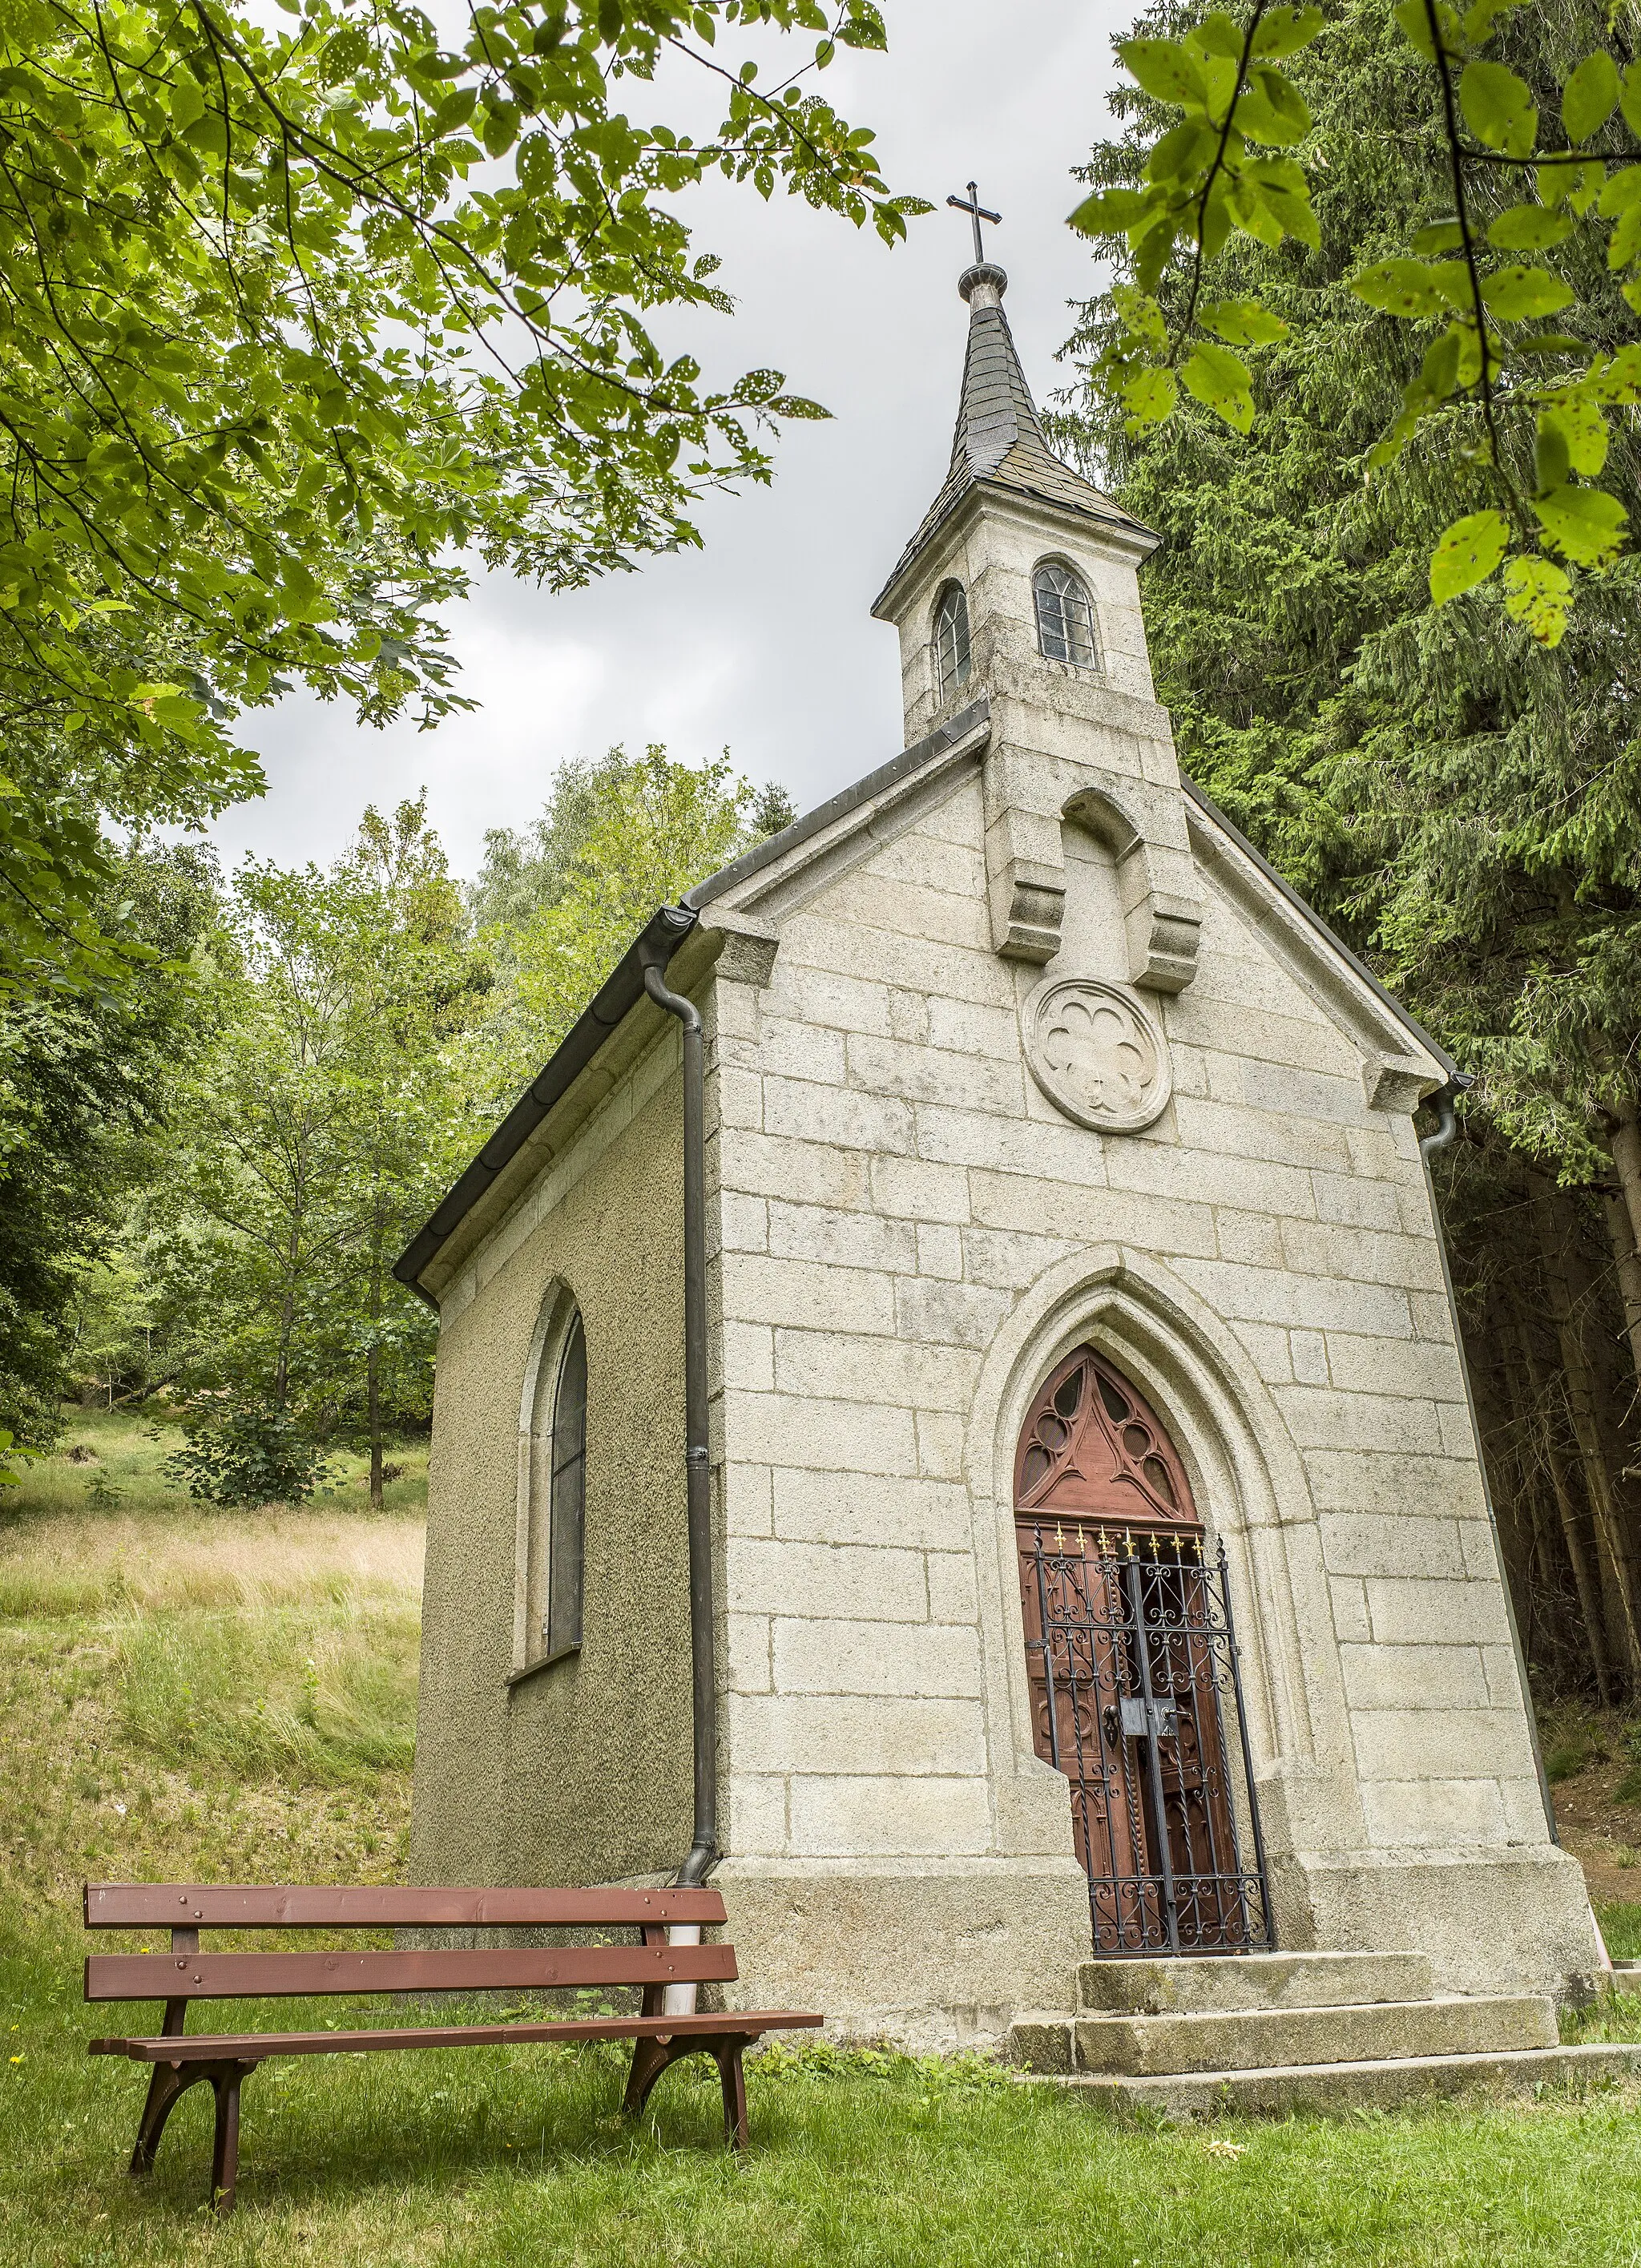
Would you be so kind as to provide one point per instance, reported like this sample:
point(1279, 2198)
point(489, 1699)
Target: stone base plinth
point(931, 1954)
point(1490, 1920)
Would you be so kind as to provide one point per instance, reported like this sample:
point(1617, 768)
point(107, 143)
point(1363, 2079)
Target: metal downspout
point(703, 1852)
point(1447, 1127)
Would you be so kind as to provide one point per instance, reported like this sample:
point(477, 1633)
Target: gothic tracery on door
point(1132, 1661)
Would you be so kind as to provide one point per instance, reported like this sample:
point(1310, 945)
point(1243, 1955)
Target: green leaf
point(1242, 322)
point(1439, 236)
point(1141, 317)
point(1217, 35)
point(1621, 190)
point(1110, 212)
point(1516, 292)
point(1480, 19)
point(1467, 553)
point(1529, 228)
point(1219, 380)
point(1590, 96)
point(1273, 111)
point(1149, 395)
point(1619, 379)
point(1410, 288)
point(1499, 108)
point(1440, 370)
point(1285, 31)
point(1586, 524)
point(1288, 206)
point(1164, 69)
point(1581, 431)
point(1538, 594)
point(1552, 463)
point(1574, 182)
point(186, 103)
point(1182, 153)
point(1414, 19)
point(1630, 96)
point(1253, 216)
point(1625, 244)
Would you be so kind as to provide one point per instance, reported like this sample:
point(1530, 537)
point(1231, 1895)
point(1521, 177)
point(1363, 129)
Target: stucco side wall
point(580, 1771)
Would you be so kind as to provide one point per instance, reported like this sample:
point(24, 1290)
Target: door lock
point(1143, 1720)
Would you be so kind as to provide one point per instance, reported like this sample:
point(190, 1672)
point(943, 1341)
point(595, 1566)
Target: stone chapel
point(949, 1412)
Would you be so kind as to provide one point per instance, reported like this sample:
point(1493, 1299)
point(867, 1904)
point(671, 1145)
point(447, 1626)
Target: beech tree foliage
point(296, 315)
point(1543, 174)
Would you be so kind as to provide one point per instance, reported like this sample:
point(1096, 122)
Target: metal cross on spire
point(976, 212)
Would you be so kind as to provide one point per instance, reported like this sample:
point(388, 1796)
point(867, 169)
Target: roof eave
point(1403, 1015)
point(619, 993)
point(1130, 534)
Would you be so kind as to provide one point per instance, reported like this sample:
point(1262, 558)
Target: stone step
point(1382, 2085)
point(1252, 2038)
point(1206, 1986)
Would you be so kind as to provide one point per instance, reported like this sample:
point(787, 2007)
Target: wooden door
point(1121, 1651)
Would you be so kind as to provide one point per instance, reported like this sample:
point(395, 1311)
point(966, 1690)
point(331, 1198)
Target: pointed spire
point(1000, 439)
point(995, 412)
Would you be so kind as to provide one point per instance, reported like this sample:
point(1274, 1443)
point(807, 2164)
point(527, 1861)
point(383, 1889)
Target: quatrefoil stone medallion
point(1096, 1054)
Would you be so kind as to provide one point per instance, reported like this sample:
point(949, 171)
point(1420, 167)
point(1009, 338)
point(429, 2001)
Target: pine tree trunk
point(1495, 1414)
point(373, 1403)
point(1613, 1387)
point(373, 1363)
point(1584, 1574)
point(1562, 1645)
point(1558, 1225)
point(1623, 1209)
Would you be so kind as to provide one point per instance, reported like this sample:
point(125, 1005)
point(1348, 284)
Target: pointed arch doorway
point(1132, 1663)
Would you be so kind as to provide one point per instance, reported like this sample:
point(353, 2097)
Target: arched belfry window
point(1065, 617)
point(556, 1490)
point(951, 639)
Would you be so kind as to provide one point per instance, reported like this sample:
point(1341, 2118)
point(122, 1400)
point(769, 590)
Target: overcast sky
point(762, 642)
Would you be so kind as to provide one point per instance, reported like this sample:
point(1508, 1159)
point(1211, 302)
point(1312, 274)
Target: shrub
point(249, 1456)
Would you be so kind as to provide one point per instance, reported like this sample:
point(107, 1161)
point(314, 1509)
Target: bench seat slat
point(249, 1905)
point(223, 1976)
point(216, 2047)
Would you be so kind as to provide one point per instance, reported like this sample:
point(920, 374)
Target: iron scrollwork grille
point(1135, 1672)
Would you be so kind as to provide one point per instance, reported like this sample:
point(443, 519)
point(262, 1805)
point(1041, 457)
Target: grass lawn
point(187, 1692)
point(497, 2156)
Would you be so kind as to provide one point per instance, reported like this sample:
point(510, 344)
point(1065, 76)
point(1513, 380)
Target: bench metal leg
point(225, 2157)
point(166, 2083)
point(726, 2054)
point(649, 2058)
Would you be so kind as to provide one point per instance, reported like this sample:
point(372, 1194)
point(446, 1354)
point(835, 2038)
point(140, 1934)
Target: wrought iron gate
point(1134, 1671)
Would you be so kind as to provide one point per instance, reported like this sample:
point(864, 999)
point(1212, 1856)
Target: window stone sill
point(547, 1661)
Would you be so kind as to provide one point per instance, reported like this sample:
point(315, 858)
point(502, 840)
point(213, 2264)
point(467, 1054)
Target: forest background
point(228, 1101)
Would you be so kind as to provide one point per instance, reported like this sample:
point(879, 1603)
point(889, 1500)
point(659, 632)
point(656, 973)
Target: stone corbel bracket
point(1162, 910)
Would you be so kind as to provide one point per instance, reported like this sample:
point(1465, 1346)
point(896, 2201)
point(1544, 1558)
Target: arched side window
point(556, 1516)
point(951, 639)
point(1065, 617)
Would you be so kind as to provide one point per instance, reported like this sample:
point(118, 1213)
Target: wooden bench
point(653, 1962)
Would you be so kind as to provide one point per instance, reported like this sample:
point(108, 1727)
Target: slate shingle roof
point(998, 439)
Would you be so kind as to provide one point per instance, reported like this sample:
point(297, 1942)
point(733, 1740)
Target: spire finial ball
point(983, 284)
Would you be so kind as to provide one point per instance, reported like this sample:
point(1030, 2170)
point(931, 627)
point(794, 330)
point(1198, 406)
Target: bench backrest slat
point(228, 1976)
point(180, 1905)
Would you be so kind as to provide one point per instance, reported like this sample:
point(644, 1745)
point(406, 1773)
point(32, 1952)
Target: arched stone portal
point(1131, 1667)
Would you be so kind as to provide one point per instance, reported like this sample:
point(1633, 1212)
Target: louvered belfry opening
point(1136, 1687)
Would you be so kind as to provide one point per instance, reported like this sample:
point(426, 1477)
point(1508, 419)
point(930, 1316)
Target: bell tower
point(1021, 585)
